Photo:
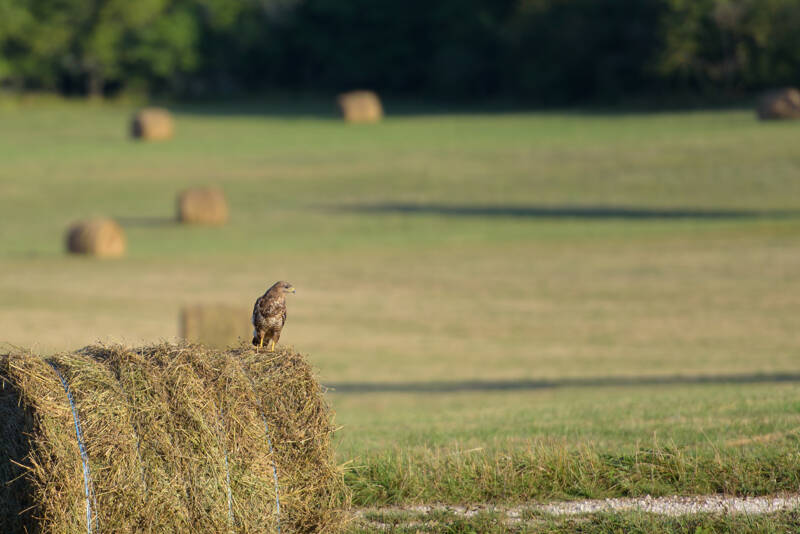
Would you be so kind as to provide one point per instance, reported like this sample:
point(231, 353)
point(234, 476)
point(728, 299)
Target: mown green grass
point(619, 419)
point(615, 245)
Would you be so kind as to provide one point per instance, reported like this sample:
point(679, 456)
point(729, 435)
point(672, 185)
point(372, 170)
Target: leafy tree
point(79, 45)
point(17, 56)
point(731, 44)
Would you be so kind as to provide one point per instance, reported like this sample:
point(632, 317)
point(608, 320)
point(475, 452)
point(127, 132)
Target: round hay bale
point(96, 237)
point(152, 124)
point(780, 104)
point(202, 206)
point(173, 438)
point(360, 107)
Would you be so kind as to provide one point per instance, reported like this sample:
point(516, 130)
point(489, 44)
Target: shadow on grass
point(322, 105)
point(280, 108)
point(516, 385)
point(565, 211)
point(134, 222)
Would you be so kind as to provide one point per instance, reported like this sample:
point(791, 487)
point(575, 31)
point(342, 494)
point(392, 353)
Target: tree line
point(547, 51)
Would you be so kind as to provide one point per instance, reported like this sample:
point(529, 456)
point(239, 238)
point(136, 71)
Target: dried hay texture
point(780, 104)
point(152, 124)
point(176, 441)
point(215, 325)
point(360, 107)
point(96, 237)
point(202, 206)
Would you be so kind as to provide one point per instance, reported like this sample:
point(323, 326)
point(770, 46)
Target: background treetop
point(548, 51)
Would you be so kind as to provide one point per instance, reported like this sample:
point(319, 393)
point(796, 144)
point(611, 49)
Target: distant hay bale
point(360, 106)
point(215, 325)
point(780, 104)
point(96, 237)
point(173, 438)
point(152, 124)
point(202, 206)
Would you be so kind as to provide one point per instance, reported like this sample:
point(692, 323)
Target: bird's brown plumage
point(269, 314)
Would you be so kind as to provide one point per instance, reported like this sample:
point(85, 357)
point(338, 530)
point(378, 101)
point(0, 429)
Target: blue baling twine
point(271, 452)
point(88, 488)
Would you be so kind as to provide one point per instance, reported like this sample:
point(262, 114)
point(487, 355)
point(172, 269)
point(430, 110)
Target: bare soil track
point(670, 506)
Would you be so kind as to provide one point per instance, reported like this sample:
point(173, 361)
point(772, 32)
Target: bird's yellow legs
point(260, 343)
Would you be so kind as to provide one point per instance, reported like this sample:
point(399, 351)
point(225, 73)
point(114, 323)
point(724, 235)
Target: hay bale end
point(99, 237)
point(360, 107)
point(215, 325)
point(202, 206)
point(152, 124)
point(780, 104)
point(173, 438)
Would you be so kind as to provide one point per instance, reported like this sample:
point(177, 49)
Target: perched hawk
point(269, 314)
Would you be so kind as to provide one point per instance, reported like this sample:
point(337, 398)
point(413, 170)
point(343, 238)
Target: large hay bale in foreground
point(360, 106)
point(175, 438)
point(215, 325)
point(780, 104)
point(96, 237)
point(202, 206)
point(152, 124)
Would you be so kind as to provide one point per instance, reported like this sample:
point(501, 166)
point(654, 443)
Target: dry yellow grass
point(649, 305)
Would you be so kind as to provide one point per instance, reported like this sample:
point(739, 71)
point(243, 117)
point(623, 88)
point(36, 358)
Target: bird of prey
point(269, 314)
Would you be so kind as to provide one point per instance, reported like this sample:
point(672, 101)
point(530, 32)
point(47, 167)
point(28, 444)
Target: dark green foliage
point(86, 47)
point(731, 44)
point(567, 50)
point(545, 51)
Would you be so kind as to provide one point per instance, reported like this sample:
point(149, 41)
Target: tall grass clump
point(548, 470)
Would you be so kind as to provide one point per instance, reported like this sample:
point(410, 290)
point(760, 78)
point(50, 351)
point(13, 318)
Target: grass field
point(475, 285)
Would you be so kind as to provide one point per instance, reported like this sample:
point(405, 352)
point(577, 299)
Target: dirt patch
point(673, 506)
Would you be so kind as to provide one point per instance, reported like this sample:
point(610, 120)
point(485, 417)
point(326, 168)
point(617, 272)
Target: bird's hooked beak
point(291, 289)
